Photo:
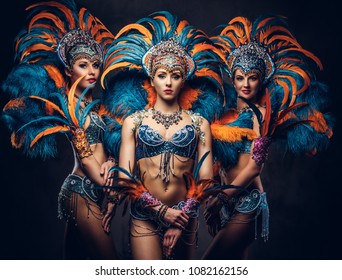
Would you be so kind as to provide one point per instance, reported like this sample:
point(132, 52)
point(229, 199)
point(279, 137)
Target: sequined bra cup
point(150, 143)
point(95, 130)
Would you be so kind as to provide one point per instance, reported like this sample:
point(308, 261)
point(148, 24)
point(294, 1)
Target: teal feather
point(199, 165)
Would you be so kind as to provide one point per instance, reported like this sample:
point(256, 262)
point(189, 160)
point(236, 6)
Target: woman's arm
point(253, 167)
point(245, 176)
point(85, 154)
point(95, 170)
point(127, 147)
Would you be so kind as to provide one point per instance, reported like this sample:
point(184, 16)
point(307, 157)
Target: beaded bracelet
point(190, 207)
point(162, 211)
point(148, 200)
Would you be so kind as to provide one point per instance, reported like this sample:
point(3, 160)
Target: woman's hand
point(104, 171)
point(176, 218)
point(171, 237)
point(109, 213)
point(212, 215)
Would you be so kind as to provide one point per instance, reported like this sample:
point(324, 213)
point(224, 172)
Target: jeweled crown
point(251, 57)
point(170, 55)
point(78, 44)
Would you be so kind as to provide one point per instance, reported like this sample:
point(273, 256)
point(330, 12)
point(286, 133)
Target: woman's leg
point(145, 241)
point(232, 241)
point(89, 232)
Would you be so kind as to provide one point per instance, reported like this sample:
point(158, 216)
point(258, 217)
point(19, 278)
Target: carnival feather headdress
point(39, 75)
point(268, 45)
point(136, 44)
point(288, 75)
point(48, 23)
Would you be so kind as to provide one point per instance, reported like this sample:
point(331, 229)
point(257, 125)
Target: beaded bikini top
point(150, 143)
point(183, 142)
point(96, 129)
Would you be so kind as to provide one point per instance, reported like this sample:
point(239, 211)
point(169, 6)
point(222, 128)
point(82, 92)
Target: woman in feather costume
point(168, 89)
point(60, 58)
point(273, 77)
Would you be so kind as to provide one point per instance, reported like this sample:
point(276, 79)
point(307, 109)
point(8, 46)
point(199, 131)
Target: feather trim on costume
point(34, 120)
point(294, 100)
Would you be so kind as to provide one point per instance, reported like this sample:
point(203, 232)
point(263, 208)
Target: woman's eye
point(160, 76)
point(176, 77)
point(96, 65)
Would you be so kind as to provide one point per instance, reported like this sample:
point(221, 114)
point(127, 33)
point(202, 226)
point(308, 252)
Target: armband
point(260, 150)
point(81, 143)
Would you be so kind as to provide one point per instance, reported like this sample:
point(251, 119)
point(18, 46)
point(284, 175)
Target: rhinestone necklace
point(167, 119)
point(85, 101)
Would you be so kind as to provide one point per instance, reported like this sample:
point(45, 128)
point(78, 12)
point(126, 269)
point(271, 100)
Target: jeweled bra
point(95, 129)
point(182, 143)
point(150, 143)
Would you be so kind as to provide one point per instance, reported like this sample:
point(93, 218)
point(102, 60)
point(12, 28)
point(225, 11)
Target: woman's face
point(84, 67)
point(167, 84)
point(246, 85)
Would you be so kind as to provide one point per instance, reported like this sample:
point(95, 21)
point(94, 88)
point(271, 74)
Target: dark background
point(303, 193)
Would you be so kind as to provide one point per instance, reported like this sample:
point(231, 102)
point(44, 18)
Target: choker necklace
point(167, 119)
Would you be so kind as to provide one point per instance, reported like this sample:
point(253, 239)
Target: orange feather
point(196, 189)
point(19, 103)
point(34, 48)
point(282, 37)
point(165, 20)
point(48, 131)
point(319, 123)
point(56, 75)
point(231, 134)
point(246, 24)
point(228, 117)
point(188, 97)
point(205, 72)
point(49, 103)
point(286, 91)
point(71, 101)
point(116, 66)
point(143, 30)
point(16, 141)
point(268, 32)
point(308, 54)
point(66, 11)
point(263, 22)
point(181, 25)
point(56, 20)
point(151, 93)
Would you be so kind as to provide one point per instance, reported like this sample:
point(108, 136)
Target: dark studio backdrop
point(303, 193)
